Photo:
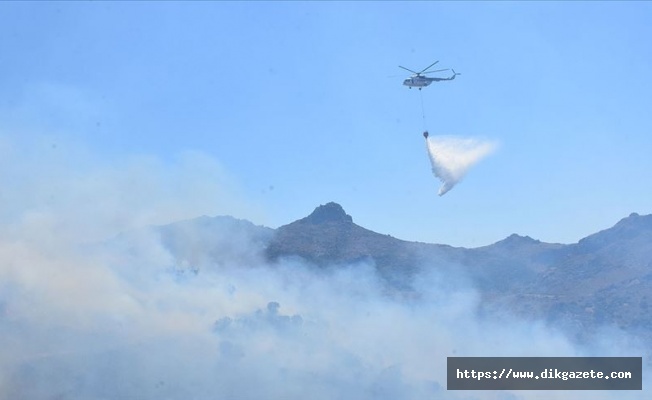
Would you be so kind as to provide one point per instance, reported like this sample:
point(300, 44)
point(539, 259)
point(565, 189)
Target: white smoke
point(121, 321)
point(452, 157)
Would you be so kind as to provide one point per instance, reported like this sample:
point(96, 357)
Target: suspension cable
point(423, 112)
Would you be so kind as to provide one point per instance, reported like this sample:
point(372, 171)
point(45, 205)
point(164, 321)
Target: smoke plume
point(123, 317)
point(451, 157)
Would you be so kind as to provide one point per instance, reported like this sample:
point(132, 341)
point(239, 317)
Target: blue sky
point(302, 103)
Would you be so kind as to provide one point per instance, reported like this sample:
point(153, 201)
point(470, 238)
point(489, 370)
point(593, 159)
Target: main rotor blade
point(414, 72)
point(425, 69)
point(438, 70)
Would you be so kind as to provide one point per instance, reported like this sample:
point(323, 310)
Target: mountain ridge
point(605, 277)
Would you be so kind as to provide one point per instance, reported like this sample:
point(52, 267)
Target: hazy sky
point(300, 104)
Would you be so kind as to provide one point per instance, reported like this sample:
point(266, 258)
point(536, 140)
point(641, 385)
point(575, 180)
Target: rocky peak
point(330, 212)
point(517, 240)
point(633, 227)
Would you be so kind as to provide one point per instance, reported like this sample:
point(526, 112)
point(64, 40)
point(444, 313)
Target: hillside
point(604, 279)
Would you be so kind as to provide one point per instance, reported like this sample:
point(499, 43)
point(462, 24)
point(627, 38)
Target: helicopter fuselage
point(420, 81)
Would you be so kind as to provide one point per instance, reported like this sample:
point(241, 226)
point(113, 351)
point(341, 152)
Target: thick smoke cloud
point(120, 317)
point(452, 157)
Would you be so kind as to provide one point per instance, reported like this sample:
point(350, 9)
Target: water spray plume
point(451, 157)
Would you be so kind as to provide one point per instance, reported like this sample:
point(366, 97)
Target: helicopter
point(419, 80)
